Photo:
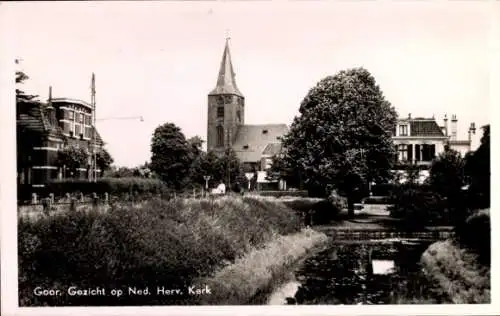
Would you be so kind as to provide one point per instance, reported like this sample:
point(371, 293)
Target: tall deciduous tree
point(171, 155)
point(342, 136)
point(478, 171)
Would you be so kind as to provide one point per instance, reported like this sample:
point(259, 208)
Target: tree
point(104, 160)
point(72, 158)
point(342, 136)
point(446, 178)
point(21, 96)
point(478, 172)
point(171, 155)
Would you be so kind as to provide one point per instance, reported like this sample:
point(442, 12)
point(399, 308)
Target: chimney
point(409, 116)
point(445, 125)
point(453, 127)
point(51, 111)
point(472, 131)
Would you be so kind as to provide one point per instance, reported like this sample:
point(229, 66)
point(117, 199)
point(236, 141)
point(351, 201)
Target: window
point(80, 118)
point(228, 99)
point(417, 152)
point(245, 147)
point(71, 115)
point(220, 112)
point(428, 152)
point(77, 130)
point(220, 136)
point(403, 152)
point(238, 116)
point(403, 130)
point(264, 131)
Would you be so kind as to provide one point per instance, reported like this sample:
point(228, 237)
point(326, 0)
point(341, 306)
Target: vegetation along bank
point(235, 244)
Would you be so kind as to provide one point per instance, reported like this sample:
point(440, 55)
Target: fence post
point(34, 199)
point(194, 193)
point(72, 204)
point(51, 197)
point(81, 197)
point(46, 205)
point(95, 200)
point(68, 196)
point(106, 197)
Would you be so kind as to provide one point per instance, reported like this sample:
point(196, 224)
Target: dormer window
point(403, 130)
point(245, 147)
point(265, 131)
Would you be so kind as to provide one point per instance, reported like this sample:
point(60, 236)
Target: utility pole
point(94, 136)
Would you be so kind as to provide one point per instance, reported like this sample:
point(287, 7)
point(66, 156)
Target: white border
point(9, 218)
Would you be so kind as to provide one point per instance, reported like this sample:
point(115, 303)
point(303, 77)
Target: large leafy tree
point(72, 158)
point(171, 155)
point(478, 171)
point(342, 137)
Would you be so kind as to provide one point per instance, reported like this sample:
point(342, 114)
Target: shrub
point(418, 206)
point(475, 234)
point(155, 243)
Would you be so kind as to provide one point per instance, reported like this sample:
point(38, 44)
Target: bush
point(418, 206)
point(475, 234)
point(156, 243)
point(279, 194)
point(384, 189)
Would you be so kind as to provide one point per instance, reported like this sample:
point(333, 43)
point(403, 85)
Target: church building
point(254, 145)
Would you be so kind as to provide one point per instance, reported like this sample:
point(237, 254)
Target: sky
point(159, 59)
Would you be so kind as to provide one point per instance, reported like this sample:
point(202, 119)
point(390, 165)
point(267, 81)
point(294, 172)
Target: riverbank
point(253, 276)
point(456, 274)
point(156, 244)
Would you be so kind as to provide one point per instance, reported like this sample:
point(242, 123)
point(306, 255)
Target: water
point(365, 272)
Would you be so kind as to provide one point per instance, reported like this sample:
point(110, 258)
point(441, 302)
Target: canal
point(359, 272)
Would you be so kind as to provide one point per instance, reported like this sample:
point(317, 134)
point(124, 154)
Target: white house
point(419, 140)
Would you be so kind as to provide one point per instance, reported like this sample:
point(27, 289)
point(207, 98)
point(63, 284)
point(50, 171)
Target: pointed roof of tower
point(226, 83)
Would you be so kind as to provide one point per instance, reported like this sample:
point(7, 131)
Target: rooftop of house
point(422, 127)
point(253, 141)
point(32, 117)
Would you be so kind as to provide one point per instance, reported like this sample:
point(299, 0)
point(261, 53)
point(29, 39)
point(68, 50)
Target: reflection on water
point(382, 266)
point(360, 273)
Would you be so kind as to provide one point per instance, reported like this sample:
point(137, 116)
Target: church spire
point(226, 83)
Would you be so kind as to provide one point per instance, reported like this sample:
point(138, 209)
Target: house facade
point(44, 128)
point(254, 145)
point(419, 140)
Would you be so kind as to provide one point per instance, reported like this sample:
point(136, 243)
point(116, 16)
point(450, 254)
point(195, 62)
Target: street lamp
point(206, 182)
point(249, 176)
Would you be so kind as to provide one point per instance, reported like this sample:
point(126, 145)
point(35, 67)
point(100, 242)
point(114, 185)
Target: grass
point(153, 243)
point(260, 269)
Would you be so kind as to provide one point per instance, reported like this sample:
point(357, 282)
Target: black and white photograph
point(331, 154)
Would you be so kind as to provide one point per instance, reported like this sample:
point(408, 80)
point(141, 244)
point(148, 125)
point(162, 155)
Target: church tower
point(226, 107)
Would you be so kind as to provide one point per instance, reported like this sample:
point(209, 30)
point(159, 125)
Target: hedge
point(113, 186)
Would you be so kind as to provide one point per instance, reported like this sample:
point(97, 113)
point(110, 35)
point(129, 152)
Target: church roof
point(253, 141)
point(226, 83)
